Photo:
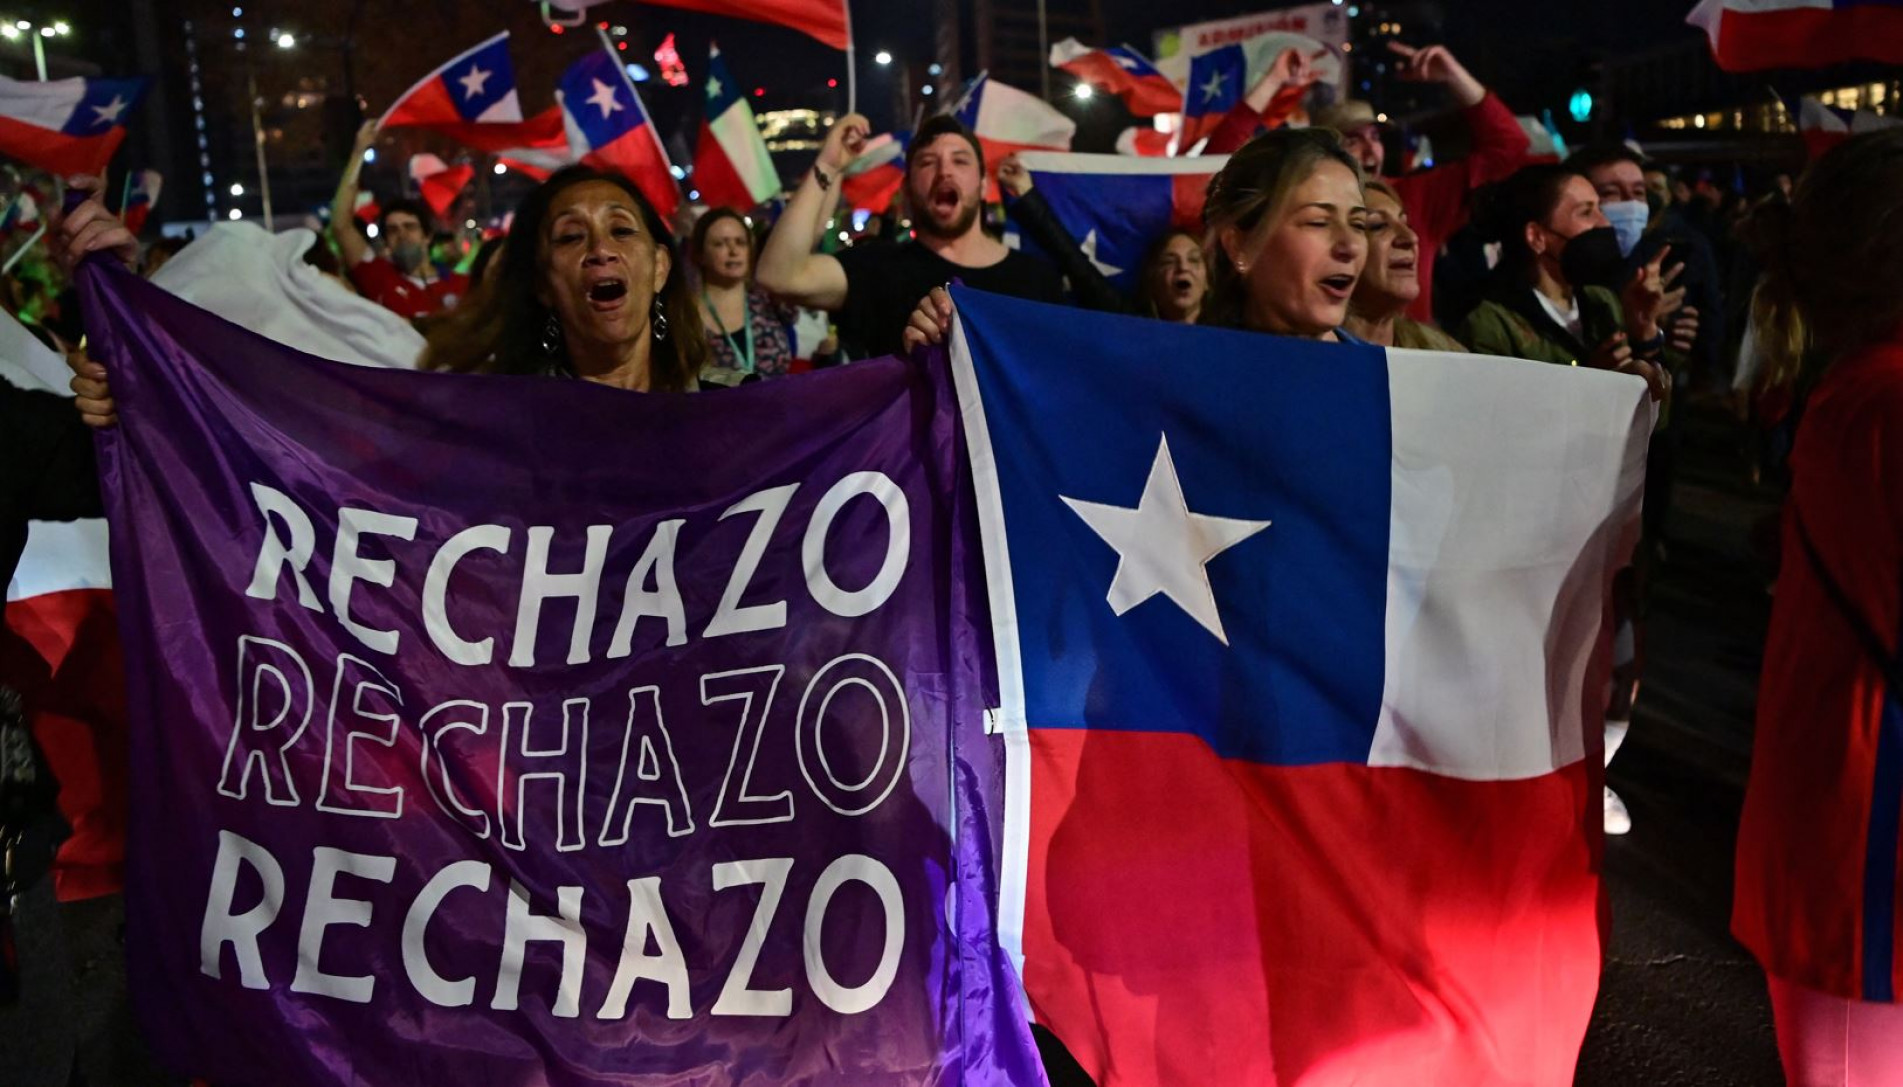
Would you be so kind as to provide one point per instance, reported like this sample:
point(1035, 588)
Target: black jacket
point(47, 468)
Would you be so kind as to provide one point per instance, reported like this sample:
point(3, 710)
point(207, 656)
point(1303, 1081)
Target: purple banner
point(495, 730)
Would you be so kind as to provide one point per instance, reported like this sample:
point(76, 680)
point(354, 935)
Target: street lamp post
point(12, 30)
point(283, 40)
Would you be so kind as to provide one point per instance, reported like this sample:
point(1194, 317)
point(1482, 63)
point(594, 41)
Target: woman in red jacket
point(1817, 877)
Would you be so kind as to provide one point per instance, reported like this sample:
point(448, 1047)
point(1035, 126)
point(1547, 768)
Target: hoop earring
point(660, 321)
point(551, 336)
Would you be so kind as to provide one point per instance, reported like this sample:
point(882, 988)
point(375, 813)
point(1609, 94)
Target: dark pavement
point(1681, 1002)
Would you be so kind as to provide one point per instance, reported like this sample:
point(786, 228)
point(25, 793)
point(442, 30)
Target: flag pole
point(654, 129)
point(24, 246)
point(852, 60)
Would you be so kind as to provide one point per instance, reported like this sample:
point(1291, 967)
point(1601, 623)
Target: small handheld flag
point(66, 126)
point(610, 130)
point(732, 168)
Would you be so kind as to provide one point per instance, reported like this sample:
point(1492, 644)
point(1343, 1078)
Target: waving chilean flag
point(66, 126)
point(1299, 682)
point(1116, 205)
point(732, 168)
point(1121, 71)
point(610, 130)
point(1748, 35)
point(471, 99)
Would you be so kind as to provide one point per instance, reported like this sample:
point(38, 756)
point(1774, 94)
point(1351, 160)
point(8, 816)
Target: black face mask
point(1592, 259)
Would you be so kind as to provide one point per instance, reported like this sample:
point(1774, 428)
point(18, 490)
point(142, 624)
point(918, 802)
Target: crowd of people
point(1606, 260)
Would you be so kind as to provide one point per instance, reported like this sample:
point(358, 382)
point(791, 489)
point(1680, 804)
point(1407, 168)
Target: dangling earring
point(660, 321)
point(551, 336)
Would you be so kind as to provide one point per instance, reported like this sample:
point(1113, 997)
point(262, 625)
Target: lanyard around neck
point(746, 357)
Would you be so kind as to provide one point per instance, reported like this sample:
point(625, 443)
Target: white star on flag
point(1164, 548)
point(713, 87)
point(473, 82)
point(1129, 63)
point(1214, 87)
point(1089, 247)
point(109, 113)
point(603, 98)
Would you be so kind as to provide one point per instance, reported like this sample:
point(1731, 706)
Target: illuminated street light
point(882, 57)
point(39, 34)
point(287, 41)
point(1084, 92)
point(237, 189)
point(501, 168)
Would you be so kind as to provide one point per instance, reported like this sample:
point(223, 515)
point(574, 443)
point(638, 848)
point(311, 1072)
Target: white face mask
point(1628, 219)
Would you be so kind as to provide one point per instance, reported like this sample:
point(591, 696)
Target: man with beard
point(404, 282)
point(873, 289)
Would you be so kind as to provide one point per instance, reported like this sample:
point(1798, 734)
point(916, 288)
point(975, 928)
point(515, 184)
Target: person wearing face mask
point(1392, 280)
point(872, 288)
point(1635, 205)
point(405, 281)
point(589, 287)
point(1553, 298)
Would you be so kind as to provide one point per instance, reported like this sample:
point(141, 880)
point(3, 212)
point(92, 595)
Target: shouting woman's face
point(601, 268)
point(1301, 272)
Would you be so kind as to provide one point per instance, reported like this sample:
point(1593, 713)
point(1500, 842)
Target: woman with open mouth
point(1286, 242)
point(1391, 281)
point(589, 286)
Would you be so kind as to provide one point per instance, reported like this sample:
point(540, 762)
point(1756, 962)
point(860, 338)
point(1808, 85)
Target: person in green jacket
point(1551, 301)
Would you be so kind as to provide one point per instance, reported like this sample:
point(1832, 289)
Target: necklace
point(746, 356)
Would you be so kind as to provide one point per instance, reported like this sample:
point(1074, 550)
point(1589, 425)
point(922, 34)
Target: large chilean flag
point(470, 99)
point(1299, 682)
point(732, 168)
point(1749, 35)
point(1116, 205)
point(610, 130)
point(66, 126)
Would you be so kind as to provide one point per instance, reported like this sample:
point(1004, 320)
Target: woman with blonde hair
point(1391, 281)
point(1817, 896)
point(1285, 242)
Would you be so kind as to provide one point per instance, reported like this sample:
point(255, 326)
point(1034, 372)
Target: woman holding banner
point(594, 291)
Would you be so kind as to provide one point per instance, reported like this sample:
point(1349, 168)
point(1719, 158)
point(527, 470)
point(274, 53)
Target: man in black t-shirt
point(873, 289)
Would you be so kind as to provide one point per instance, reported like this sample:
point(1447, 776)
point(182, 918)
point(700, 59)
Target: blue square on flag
point(1192, 548)
point(481, 79)
point(104, 105)
point(1114, 217)
point(595, 94)
point(1215, 81)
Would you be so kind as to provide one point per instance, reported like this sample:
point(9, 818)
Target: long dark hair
point(1529, 196)
point(1152, 258)
point(500, 328)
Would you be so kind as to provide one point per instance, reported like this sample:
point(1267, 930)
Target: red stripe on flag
point(719, 183)
point(55, 151)
point(822, 19)
point(61, 650)
point(428, 105)
point(1809, 37)
point(1190, 919)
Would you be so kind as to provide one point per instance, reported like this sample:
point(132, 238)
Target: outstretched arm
point(351, 243)
point(788, 266)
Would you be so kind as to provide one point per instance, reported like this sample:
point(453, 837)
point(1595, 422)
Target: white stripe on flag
point(504, 110)
point(1008, 720)
point(740, 138)
point(48, 105)
point(1066, 162)
point(1503, 536)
